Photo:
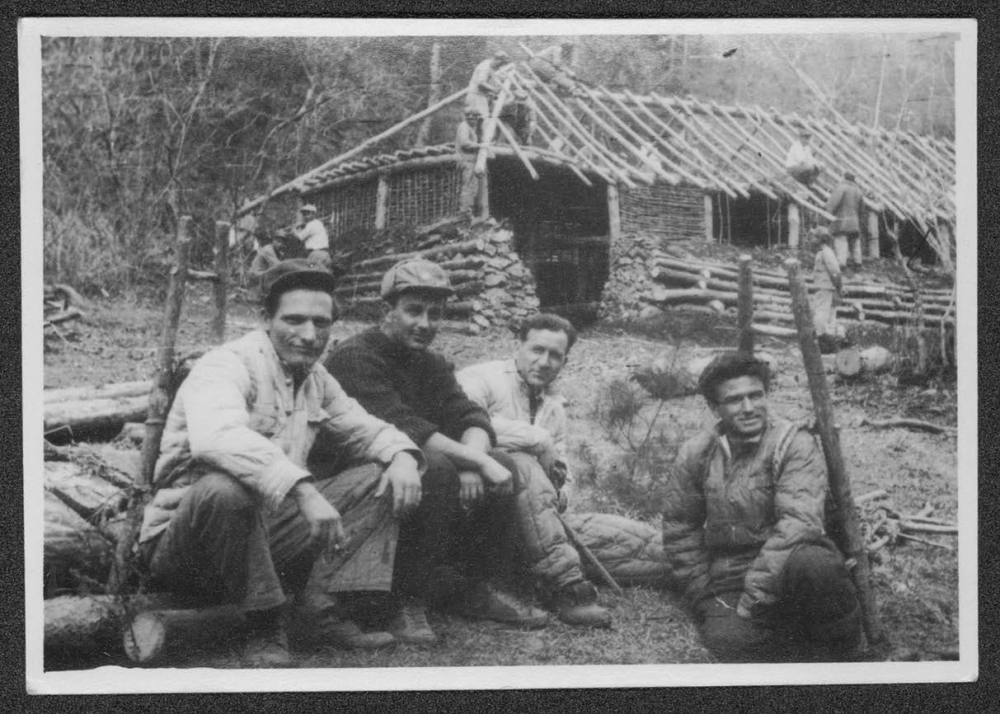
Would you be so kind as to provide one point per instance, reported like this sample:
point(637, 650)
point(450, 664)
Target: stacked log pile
point(493, 287)
point(647, 276)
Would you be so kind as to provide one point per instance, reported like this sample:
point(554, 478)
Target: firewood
point(104, 391)
point(79, 624)
point(74, 551)
point(86, 416)
point(151, 634)
point(852, 362)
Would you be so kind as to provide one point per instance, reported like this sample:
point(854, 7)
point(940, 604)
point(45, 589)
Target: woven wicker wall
point(347, 208)
point(423, 196)
point(669, 211)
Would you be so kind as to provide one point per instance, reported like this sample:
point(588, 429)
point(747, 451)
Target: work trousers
point(847, 247)
point(817, 618)
point(824, 312)
point(222, 548)
point(469, 190)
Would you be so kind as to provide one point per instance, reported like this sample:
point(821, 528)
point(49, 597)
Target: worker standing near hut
point(828, 282)
point(530, 422)
point(743, 530)
point(482, 87)
point(235, 516)
point(392, 372)
point(466, 146)
point(800, 162)
point(845, 204)
point(312, 233)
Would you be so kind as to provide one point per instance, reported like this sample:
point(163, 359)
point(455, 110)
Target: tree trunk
point(85, 417)
point(74, 551)
point(151, 634)
point(79, 624)
point(104, 391)
point(434, 96)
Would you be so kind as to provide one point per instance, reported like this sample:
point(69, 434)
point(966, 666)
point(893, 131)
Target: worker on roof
point(392, 372)
point(529, 418)
point(845, 204)
point(800, 162)
point(236, 517)
point(482, 86)
point(743, 530)
point(555, 65)
point(466, 149)
point(312, 233)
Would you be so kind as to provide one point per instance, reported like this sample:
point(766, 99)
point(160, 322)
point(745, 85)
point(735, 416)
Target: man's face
point(307, 216)
point(541, 357)
point(741, 407)
point(300, 327)
point(414, 320)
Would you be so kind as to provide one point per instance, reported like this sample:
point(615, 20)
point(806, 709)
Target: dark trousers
point(221, 547)
point(818, 617)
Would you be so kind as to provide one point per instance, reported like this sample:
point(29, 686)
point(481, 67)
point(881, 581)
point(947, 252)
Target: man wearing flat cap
point(235, 516)
point(311, 232)
point(800, 162)
point(392, 372)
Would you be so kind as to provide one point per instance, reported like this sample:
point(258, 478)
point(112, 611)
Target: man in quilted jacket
point(743, 530)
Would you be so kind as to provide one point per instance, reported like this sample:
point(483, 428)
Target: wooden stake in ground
point(840, 484)
point(222, 270)
point(744, 306)
point(590, 557)
point(159, 402)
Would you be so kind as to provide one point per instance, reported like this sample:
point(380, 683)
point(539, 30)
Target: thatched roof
point(738, 150)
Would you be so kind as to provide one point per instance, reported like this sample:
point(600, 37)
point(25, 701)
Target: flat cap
point(297, 273)
point(308, 207)
point(417, 274)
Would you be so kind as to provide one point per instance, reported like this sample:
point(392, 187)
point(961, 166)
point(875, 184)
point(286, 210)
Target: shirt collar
point(741, 446)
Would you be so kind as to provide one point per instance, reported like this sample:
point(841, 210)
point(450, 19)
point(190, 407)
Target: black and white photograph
point(453, 354)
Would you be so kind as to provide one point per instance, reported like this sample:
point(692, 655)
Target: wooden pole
point(709, 219)
point(247, 207)
point(793, 224)
point(509, 136)
point(222, 271)
point(852, 542)
point(873, 247)
point(744, 306)
point(381, 200)
point(434, 95)
point(159, 402)
point(590, 557)
point(614, 214)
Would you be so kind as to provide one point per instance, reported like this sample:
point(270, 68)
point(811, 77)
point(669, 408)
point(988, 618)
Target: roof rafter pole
point(375, 171)
point(783, 128)
point(690, 125)
point(559, 136)
point(705, 165)
point(672, 179)
point(619, 138)
point(656, 137)
point(532, 96)
point(247, 207)
point(491, 126)
point(509, 136)
point(734, 152)
point(767, 154)
point(944, 168)
point(567, 117)
point(892, 142)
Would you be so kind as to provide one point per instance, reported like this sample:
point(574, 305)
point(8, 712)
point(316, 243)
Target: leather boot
point(410, 626)
point(577, 605)
point(485, 601)
point(266, 643)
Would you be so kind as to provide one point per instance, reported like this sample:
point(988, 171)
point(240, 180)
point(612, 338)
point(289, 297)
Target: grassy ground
point(916, 585)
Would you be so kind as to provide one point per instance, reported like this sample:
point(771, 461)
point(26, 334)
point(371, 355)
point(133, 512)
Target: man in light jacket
point(743, 530)
point(235, 516)
point(529, 418)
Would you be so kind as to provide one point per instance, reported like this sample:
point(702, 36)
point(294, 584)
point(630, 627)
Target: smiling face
point(414, 319)
point(541, 356)
point(741, 406)
point(300, 327)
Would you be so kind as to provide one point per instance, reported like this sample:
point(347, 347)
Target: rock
point(495, 280)
point(481, 321)
point(501, 236)
point(650, 311)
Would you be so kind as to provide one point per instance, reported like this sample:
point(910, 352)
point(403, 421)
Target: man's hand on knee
point(326, 531)
point(497, 476)
point(471, 489)
point(403, 477)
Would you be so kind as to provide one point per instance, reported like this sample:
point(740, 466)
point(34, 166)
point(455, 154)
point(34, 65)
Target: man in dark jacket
point(845, 204)
point(391, 371)
point(743, 530)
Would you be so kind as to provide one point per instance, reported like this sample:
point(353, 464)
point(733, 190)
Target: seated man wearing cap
point(800, 162)
point(530, 422)
point(743, 529)
point(311, 232)
point(235, 517)
point(392, 372)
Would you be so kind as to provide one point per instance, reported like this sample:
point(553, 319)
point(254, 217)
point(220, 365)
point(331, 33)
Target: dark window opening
point(757, 221)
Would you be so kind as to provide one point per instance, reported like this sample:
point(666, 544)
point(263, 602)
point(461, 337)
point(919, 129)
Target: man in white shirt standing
point(800, 162)
point(529, 419)
point(314, 237)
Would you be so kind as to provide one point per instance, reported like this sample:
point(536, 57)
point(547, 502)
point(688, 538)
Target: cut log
point(89, 496)
point(88, 416)
point(151, 635)
point(774, 331)
point(74, 551)
point(79, 624)
point(916, 424)
point(104, 391)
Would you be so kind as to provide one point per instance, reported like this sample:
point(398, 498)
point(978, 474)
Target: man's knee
point(527, 472)
point(220, 495)
point(817, 581)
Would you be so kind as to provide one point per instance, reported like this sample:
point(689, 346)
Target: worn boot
point(321, 619)
point(577, 605)
point(410, 626)
point(266, 644)
point(485, 601)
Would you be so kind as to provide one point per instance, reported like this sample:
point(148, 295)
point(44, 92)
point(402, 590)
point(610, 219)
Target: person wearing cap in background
point(829, 285)
point(845, 204)
point(392, 372)
point(743, 529)
point(311, 232)
point(555, 64)
point(483, 88)
point(236, 518)
point(800, 162)
point(270, 253)
point(530, 422)
point(466, 146)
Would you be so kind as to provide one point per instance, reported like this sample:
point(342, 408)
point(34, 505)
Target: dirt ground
point(916, 585)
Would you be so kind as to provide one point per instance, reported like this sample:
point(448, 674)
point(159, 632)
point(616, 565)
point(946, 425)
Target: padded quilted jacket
point(732, 517)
